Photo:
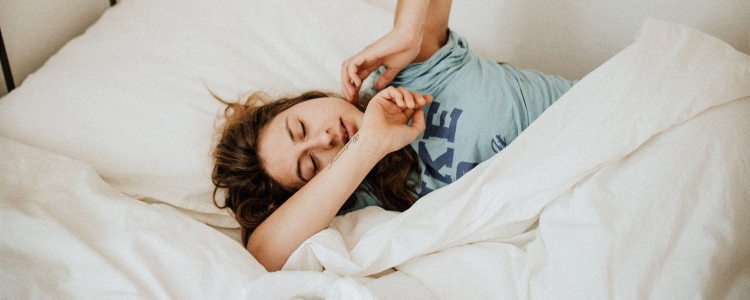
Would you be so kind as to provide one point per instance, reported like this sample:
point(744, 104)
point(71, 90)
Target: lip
point(346, 132)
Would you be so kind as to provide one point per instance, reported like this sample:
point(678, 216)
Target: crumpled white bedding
point(636, 184)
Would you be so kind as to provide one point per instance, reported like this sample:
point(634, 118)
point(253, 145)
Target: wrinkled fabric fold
point(642, 94)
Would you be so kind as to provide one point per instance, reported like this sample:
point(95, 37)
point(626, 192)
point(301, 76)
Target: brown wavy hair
point(252, 195)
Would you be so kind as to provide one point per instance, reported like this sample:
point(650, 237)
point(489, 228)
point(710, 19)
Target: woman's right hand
point(387, 118)
point(413, 37)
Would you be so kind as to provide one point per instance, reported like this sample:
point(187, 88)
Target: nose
point(323, 145)
point(323, 140)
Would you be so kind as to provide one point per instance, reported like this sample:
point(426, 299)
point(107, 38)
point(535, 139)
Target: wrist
point(411, 17)
point(411, 36)
point(371, 145)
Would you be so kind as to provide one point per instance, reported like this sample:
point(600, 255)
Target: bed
point(635, 184)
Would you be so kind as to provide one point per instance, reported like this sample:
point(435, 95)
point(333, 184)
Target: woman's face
point(302, 140)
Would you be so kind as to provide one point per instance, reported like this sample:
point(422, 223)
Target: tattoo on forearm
point(354, 140)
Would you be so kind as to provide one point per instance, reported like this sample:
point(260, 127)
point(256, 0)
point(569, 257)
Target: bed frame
point(7, 75)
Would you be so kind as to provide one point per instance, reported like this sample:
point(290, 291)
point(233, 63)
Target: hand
point(395, 50)
point(387, 115)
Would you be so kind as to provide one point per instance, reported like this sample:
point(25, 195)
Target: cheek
point(327, 157)
point(355, 116)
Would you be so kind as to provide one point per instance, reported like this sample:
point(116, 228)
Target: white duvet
point(636, 184)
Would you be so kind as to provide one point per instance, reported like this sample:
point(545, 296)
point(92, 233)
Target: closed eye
point(304, 131)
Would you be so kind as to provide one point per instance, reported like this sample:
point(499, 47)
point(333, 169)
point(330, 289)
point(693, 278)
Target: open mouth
point(345, 133)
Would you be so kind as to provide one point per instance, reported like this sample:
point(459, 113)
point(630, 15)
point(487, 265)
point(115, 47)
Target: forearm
point(312, 208)
point(426, 21)
point(411, 16)
point(436, 26)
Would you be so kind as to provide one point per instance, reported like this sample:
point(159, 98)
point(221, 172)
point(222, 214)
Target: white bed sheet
point(633, 185)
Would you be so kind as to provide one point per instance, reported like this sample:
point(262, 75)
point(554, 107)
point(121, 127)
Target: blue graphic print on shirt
point(479, 108)
point(437, 165)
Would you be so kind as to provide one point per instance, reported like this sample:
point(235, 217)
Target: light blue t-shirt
point(478, 108)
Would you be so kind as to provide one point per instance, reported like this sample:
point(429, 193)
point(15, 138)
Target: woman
point(291, 166)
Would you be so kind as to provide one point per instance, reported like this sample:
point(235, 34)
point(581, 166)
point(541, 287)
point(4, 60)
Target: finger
point(347, 87)
point(409, 112)
point(347, 91)
point(392, 95)
point(422, 101)
point(417, 122)
point(408, 97)
point(397, 97)
point(353, 89)
point(367, 68)
point(353, 70)
point(419, 99)
point(362, 74)
point(427, 100)
point(386, 78)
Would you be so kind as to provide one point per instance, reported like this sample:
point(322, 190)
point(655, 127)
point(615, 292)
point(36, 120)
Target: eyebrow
point(291, 137)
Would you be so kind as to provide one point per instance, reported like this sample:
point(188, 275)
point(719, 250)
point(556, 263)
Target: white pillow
point(129, 97)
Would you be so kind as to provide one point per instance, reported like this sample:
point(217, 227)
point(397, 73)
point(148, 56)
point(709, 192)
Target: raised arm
point(435, 29)
point(420, 28)
point(384, 129)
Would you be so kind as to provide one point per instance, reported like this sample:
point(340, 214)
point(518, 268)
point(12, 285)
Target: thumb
point(418, 124)
point(386, 78)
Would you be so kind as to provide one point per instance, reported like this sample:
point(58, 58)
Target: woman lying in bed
point(290, 166)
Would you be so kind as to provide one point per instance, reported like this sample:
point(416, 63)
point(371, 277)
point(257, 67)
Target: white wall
point(572, 37)
point(35, 29)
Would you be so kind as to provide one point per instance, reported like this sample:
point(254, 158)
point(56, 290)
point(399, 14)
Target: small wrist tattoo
point(354, 140)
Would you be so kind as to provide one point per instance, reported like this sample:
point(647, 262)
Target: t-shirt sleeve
point(363, 199)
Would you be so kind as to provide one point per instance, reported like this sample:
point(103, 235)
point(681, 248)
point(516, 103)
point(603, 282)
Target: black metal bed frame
point(9, 82)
